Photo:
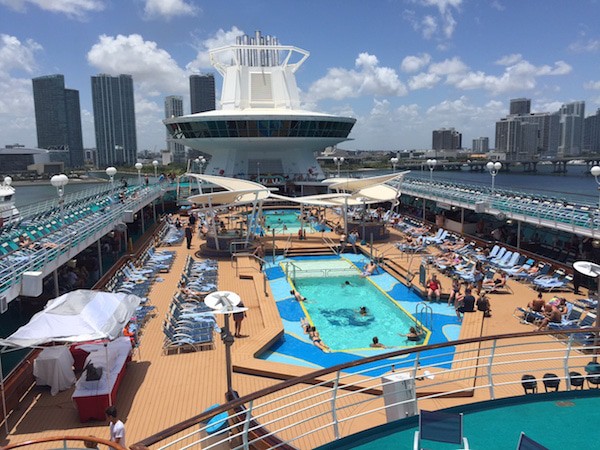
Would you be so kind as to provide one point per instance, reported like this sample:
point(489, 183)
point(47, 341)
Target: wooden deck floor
point(160, 390)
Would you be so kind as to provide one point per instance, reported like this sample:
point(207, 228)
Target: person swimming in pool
point(346, 283)
point(376, 343)
point(297, 295)
point(414, 334)
point(363, 311)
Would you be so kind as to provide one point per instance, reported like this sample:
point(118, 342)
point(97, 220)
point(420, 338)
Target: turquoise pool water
point(563, 420)
point(295, 347)
point(286, 221)
point(333, 308)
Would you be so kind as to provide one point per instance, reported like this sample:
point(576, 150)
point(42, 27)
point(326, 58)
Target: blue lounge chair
point(526, 443)
point(440, 426)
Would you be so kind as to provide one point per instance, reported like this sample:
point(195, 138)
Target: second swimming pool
point(287, 221)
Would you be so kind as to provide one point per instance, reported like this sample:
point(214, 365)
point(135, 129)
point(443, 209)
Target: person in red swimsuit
point(434, 287)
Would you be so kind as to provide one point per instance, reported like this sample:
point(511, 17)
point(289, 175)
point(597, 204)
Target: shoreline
point(48, 183)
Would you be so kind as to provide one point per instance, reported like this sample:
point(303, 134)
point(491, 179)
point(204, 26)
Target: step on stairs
point(310, 251)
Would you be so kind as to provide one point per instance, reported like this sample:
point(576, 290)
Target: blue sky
point(401, 67)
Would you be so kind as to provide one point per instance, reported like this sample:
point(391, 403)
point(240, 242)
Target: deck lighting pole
point(111, 172)
point(338, 162)
point(155, 164)
point(493, 168)
point(138, 166)
point(202, 163)
point(431, 163)
point(595, 171)
point(59, 182)
point(394, 161)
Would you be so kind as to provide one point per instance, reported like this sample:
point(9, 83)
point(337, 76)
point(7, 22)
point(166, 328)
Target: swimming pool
point(333, 306)
point(296, 348)
point(287, 221)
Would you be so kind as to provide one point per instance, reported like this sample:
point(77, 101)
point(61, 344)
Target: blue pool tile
point(274, 273)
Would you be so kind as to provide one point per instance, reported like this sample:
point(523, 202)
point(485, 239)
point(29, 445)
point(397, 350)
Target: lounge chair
point(440, 426)
point(526, 443)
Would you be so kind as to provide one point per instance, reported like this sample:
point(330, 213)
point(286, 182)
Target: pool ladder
point(426, 313)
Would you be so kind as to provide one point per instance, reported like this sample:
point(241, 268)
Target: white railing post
point(336, 430)
point(566, 364)
point(245, 440)
point(489, 370)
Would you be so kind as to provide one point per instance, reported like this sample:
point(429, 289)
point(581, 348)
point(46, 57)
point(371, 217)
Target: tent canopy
point(76, 316)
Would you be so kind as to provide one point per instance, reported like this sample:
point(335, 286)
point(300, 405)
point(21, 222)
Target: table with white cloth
point(54, 367)
point(92, 397)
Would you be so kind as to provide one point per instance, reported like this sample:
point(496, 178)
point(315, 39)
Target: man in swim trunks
point(368, 269)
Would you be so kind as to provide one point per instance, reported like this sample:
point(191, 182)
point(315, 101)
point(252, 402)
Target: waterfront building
point(446, 139)
point(260, 128)
point(20, 160)
point(58, 119)
point(520, 106)
point(174, 108)
point(572, 116)
point(591, 133)
point(202, 93)
point(114, 120)
point(481, 145)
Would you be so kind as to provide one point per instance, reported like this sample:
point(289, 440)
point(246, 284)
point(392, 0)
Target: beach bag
point(92, 373)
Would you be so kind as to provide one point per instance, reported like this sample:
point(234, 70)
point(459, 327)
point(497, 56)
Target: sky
point(402, 68)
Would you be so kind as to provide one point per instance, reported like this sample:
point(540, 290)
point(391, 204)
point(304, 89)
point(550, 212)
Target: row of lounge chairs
point(190, 324)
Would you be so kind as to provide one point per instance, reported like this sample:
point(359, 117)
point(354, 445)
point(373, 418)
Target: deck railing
point(332, 403)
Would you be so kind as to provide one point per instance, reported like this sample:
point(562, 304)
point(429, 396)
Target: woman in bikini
point(316, 339)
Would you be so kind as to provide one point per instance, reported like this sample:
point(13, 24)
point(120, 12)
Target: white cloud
point(430, 26)
point(509, 60)
point(589, 46)
point(72, 8)
point(497, 5)
point(593, 85)
point(16, 55)
point(168, 9)
point(448, 67)
point(368, 78)
point(220, 39)
point(151, 67)
point(423, 81)
point(414, 63)
point(16, 108)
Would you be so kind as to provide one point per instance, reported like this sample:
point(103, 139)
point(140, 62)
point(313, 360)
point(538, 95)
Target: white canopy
point(77, 316)
point(236, 190)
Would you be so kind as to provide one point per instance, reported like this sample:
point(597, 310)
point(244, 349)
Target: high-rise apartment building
point(591, 133)
point(572, 117)
point(114, 120)
point(58, 119)
point(174, 108)
point(202, 93)
point(481, 145)
point(446, 139)
point(520, 106)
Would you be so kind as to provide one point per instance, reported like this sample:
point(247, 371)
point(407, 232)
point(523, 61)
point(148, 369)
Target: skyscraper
point(520, 106)
point(202, 93)
point(174, 108)
point(446, 139)
point(58, 118)
point(591, 134)
point(572, 116)
point(114, 120)
point(481, 145)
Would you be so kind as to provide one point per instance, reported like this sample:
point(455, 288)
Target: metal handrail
point(310, 410)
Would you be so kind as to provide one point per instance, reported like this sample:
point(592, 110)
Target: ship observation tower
point(260, 129)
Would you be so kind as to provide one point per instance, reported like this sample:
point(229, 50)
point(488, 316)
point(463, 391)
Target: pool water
point(287, 221)
point(295, 346)
point(333, 307)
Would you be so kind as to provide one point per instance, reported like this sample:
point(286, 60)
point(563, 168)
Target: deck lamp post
point(138, 166)
point(431, 163)
point(595, 171)
point(394, 161)
point(493, 168)
point(111, 172)
point(338, 162)
point(197, 162)
point(7, 181)
point(202, 161)
point(155, 164)
point(59, 182)
point(226, 303)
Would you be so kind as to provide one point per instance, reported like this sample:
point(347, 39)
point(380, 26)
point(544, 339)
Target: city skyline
point(403, 68)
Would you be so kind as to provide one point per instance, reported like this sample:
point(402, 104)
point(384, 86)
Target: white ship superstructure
point(260, 130)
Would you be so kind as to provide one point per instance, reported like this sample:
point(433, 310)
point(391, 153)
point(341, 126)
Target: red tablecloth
point(79, 354)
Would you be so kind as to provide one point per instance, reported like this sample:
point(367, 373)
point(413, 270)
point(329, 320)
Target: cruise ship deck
point(160, 390)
